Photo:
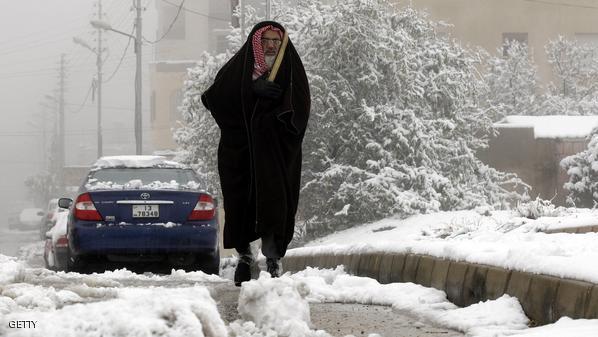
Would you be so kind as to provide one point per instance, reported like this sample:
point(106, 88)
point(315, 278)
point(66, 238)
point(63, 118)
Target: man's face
point(271, 43)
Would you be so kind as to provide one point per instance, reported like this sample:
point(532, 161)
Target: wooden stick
point(279, 57)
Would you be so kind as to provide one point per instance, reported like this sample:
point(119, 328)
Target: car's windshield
point(140, 177)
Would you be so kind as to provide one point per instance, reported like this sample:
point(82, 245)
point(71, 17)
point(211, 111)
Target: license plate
point(146, 211)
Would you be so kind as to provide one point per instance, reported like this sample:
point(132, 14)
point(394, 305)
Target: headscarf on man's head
point(260, 67)
point(230, 98)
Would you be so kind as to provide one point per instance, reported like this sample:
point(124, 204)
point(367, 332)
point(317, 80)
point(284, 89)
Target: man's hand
point(266, 89)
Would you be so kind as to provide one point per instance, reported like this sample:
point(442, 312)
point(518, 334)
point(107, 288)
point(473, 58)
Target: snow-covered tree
point(512, 82)
point(395, 121)
point(198, 136)
point(582, 169)
point(575, 67)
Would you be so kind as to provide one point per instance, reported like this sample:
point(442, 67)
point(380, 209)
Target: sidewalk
point(544, 298)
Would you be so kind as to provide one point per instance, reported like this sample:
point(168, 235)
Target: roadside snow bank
point(500, 238)
point(563, 327)
point(428, 304)
point(274, 307)
point(10, 269)
point(134, 312)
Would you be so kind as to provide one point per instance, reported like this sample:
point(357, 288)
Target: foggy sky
point(34, 35)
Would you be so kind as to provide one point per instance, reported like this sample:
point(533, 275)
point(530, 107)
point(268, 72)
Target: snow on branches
point(512, 82)
point(395, 122)
point(582, 169)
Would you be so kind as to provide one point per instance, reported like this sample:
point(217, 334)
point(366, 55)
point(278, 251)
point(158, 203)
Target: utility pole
point(137, 37)
point(99, 84)
point(61, 143)
point(138, 130)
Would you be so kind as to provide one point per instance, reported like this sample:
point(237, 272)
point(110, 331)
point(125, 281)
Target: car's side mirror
point(65, 202)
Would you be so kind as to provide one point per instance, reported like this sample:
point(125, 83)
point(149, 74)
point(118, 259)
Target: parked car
point(56, 245)
point(50, 218)
point(142, 210)
point(28, 219)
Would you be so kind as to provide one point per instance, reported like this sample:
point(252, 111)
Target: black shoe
point(242, 273)
point(273, 267)
point(243, 270)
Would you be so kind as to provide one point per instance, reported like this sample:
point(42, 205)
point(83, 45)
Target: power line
point(82, 105)
point(110, 107)
point(545, 2)
point(121, 59)
point(169, 26)
point(80, 132)
point(197, 13)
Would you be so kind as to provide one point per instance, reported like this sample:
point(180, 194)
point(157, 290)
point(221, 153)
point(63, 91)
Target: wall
point(535, 161)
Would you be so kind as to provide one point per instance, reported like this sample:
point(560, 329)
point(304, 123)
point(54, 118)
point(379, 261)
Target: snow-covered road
point(122, 303)
point(35, 301)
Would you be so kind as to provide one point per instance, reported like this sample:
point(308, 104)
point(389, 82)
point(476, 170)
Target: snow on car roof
point(557, 126)
point(136, 162)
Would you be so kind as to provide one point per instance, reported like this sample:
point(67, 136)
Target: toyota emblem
point(145, 196)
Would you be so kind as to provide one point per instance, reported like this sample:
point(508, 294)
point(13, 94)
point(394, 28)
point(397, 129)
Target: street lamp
point(98, 53)
point(137, 38)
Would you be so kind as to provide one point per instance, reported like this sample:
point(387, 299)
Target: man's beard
point(269, 60)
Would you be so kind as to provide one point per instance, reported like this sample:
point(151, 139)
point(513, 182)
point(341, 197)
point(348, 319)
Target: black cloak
point(259, 154)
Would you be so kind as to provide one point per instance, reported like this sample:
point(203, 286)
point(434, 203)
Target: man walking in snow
point(260, 100)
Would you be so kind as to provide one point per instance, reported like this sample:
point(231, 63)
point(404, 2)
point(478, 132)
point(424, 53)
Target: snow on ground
point(124, 303)
point(179, 304)
point(501, 238)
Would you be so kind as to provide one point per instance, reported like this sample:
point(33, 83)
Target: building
point(533, 147)
point(489, 23)
point(183, 35)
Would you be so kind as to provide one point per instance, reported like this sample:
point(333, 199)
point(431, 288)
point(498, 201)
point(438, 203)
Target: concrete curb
point(577, 230)
point(544, 298)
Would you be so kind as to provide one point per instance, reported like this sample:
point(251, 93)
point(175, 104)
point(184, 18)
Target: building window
point(508, 37)
point(176, 98)
point(177, 31)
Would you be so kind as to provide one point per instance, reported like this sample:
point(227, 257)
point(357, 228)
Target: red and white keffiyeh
point(260, 67)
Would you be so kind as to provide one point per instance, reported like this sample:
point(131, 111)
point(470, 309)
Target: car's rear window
point(142, 178)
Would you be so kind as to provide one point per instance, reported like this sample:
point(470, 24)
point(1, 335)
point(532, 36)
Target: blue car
point(142, 211)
